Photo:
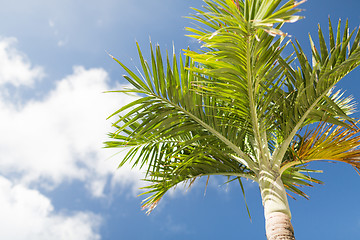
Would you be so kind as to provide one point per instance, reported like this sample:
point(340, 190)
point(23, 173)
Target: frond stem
point(253, 114)
point(279, 153)
point(232, 146)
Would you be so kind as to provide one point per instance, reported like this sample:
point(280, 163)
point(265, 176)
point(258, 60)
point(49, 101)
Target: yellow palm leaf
point(327, 142)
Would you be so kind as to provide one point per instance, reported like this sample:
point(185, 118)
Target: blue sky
point(56, 181)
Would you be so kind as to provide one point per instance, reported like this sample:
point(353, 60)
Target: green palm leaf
point(177, 131)
point(310, 97)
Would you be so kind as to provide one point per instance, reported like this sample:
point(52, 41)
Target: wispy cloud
point(173, 226)
point(61, 39)
point(63, 42)
point(15, 68)
point(51, 23)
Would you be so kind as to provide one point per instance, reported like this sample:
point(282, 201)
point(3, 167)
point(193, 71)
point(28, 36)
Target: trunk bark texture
point(278, 227)
point(276, 207)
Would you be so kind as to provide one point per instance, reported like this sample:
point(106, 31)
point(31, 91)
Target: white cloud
point(15, 68)
point(27, 214)
point(59, 138)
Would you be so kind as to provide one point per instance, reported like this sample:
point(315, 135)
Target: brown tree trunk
point(279, 227)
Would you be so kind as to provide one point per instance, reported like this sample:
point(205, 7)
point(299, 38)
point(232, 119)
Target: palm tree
point(241, 107)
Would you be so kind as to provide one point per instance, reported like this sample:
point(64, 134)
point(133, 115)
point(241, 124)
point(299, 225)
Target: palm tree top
point(240, 106)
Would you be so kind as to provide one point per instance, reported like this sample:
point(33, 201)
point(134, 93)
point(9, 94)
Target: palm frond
point(308, 96)
point(326, 142)
point(242, 50)
point(173, 130)
point(297, 177)
point(186, 166)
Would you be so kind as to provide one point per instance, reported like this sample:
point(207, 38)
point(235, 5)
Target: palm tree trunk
point(276, 207)
point(278, 227)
